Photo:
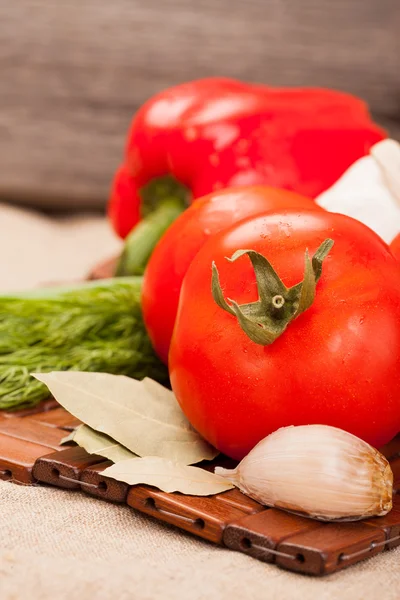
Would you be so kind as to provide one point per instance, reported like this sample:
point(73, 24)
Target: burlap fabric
point(56, 544)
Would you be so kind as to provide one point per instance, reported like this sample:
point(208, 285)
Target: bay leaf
point(99, 443)
point(168, 476)
point(143, 416)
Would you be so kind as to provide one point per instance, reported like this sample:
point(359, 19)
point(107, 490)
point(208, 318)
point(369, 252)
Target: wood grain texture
point(258, 534)
point(68, 464)
point(18, 457)
point(73, 73)
point(33, 431)
point(40, 408)
point(390, 524)
point(330, 547)
point(200, 515)
point(106, 488)
point(58, 417)
point(238, 500)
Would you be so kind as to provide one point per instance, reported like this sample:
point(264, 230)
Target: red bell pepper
point(215, 133)
point(160, 203)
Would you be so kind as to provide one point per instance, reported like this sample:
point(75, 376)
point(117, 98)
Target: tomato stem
point(265, 320)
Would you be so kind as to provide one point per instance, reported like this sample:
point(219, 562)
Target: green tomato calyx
point(267, 318)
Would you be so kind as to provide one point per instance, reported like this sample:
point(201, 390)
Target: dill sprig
point(95, 326)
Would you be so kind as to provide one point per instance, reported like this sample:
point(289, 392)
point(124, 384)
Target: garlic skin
point(369, 191)
point(316, 471)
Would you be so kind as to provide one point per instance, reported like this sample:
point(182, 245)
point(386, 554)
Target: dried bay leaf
point(99, 443)
point(168, 476)
point(143, 416)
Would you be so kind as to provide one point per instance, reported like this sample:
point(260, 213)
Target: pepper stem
point(163, 200)
point(265, 320)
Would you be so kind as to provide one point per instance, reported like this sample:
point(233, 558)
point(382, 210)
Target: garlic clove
point(369, 191)
point(316, 471)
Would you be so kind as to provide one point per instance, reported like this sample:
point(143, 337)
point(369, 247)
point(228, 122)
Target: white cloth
point(369, 191)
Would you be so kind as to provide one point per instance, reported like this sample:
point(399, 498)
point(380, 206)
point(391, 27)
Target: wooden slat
point(201, 516)
point(390, 524)
point(58, 417)
point(68, 464)
point(236, 499)
point(329, 548)
point(93, 482)
point(18, 457)
point(257, 534)
point(33, 431)
point(44, 406)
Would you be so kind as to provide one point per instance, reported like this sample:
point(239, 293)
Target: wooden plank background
point(73, 72)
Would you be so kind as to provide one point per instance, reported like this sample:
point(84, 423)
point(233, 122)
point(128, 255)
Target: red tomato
point(180, 244)
point(338, 363)
point(395, 247)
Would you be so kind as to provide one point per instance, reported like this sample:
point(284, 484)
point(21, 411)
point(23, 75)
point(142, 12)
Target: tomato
point(184, 238)
point(337, 363)
point(395, 247)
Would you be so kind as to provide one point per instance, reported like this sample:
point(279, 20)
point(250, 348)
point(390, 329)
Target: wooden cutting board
point(30, 453)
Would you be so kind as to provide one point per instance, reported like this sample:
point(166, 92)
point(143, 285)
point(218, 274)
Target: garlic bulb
point(317, 471)
point(369, 191)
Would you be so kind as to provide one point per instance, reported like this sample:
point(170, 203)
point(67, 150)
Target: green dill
point(96, 326)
